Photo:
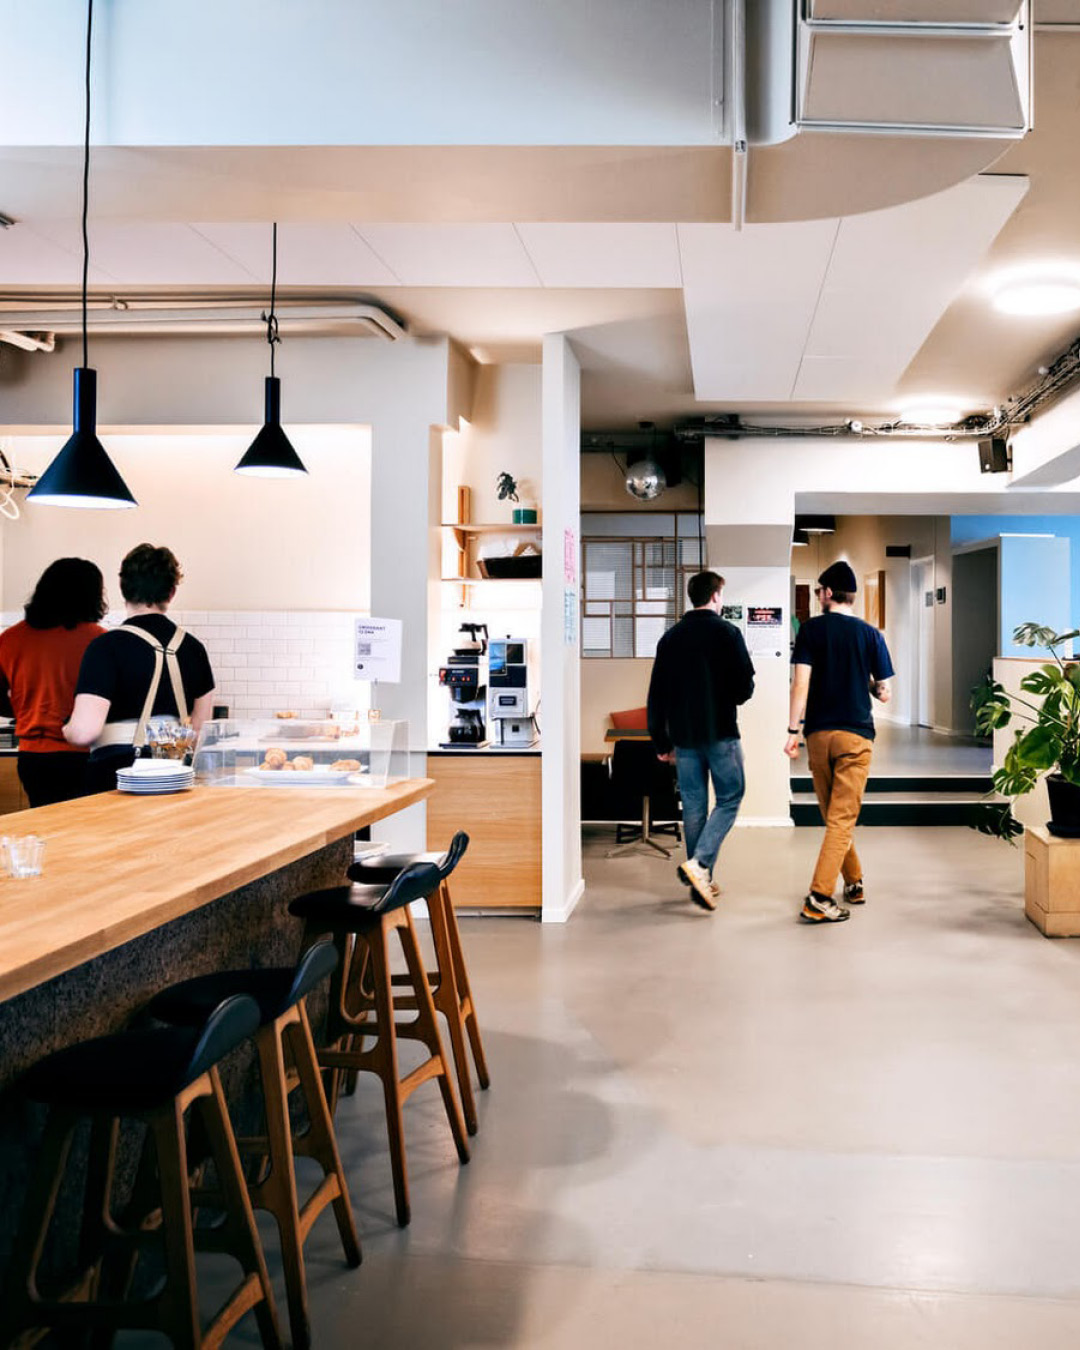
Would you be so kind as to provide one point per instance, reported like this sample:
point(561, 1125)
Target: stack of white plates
point(154, 776)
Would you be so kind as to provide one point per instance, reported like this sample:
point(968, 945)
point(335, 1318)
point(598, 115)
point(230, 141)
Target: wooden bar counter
point(117, 866)
point(140, 891)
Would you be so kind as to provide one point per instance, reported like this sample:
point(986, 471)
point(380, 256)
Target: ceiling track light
point(82, 474)
point(271, 454)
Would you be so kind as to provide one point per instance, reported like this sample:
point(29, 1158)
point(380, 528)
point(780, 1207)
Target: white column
point(560, 683)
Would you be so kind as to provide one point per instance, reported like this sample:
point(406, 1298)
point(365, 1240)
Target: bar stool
point(361, 919)
point(153, 1075)
point(449, 982)
point(280, 994)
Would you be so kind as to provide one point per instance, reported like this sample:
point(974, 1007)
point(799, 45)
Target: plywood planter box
point(1052, 882)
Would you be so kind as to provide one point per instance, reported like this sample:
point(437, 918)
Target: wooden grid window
point(634, 589)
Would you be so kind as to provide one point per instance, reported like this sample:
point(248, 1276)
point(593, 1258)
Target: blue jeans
point(706, 831)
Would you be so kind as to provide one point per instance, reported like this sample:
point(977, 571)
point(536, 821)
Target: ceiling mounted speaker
point(994, 455)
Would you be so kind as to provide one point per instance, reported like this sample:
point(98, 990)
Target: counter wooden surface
point(118, 865)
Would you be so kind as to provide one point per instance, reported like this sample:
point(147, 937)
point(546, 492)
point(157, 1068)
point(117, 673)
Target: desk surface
point(118, 866)
point(626, 734)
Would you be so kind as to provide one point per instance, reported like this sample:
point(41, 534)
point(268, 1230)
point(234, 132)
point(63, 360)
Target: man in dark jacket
point(702, 672)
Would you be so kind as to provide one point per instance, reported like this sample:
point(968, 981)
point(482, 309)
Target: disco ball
point(645, 480)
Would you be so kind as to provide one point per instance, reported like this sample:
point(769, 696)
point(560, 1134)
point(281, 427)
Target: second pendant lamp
point(271, 454)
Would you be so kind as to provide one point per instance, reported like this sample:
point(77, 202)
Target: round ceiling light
point(1052, 288)
point(931, 412)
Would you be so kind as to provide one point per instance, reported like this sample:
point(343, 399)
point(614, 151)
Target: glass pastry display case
point(301, 752)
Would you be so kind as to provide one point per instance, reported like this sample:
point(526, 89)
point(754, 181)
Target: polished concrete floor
point(906, 750)
point(731, 1130)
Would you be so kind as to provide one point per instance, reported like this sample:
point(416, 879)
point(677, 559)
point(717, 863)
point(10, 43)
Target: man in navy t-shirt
point(838, 663)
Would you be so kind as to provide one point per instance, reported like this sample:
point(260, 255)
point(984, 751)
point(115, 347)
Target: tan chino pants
point(840, 765)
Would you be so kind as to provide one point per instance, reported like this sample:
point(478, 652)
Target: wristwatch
point(793, 731)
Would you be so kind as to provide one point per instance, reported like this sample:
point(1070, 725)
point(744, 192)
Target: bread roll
point(303, 763)
point(346, 765)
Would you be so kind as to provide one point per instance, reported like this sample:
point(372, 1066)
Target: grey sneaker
point(820, 909)
point(854, 894)
point(703, 892)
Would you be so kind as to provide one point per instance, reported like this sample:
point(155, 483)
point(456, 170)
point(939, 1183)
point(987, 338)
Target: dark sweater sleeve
point(742, 681)
point(657, 701)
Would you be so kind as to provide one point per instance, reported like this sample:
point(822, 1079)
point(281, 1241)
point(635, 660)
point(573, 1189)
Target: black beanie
point(839, 577)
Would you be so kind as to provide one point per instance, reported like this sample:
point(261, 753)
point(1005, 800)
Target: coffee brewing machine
point(463, 676)
point(510, 708)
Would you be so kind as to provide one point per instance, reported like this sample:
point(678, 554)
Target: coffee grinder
point(468, 696)
point(509, 704)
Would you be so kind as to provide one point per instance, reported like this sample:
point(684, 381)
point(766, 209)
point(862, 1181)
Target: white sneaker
point(816, 909)
point(704, 892)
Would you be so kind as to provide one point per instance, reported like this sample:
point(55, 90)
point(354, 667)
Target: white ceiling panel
point(873, 315)
point(309, 254)
point(605, 255)
point(750, 298)
point(452, 255)
point(30, 256)
point(148, 254)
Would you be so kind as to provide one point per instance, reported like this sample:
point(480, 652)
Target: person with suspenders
point(148, 667)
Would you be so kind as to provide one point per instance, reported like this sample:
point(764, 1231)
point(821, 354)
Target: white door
point(922, 631)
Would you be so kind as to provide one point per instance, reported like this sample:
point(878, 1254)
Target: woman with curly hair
point(39, 667)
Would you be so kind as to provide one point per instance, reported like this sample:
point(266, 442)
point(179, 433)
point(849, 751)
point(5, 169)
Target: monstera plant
point(1048, 741)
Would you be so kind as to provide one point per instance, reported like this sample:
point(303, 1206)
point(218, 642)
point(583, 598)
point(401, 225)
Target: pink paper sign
point(569, 555)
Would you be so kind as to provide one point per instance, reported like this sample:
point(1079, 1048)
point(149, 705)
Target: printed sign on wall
point(377, 650)
point(765, 630)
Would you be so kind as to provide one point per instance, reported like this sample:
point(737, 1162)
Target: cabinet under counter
point(494, 796)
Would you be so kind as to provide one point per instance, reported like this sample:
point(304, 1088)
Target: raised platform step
point(887, 807)
point(928, 784)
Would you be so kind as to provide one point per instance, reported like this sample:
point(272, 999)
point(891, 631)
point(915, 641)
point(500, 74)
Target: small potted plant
point(507, 489)
point(1048, 744)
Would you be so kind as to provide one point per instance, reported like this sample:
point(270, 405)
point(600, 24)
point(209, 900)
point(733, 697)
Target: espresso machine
point(509, 706)
point(463, 676)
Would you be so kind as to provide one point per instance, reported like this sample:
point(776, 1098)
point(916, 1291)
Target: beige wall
point(244, 543)
point(502, 436)
point(603, 488)
point(606, 687)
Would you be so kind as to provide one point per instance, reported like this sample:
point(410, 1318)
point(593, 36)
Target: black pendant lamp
point(270, 454)
point(82, 474)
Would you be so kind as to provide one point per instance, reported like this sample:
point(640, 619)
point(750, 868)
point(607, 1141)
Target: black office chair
point(643, 794)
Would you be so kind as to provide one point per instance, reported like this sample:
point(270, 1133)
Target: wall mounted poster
point(765, 630)
point(735, 614)
point(874, 598)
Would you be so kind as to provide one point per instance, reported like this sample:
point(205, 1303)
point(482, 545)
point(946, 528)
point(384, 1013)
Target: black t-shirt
point(844, 654)
point(119, 666)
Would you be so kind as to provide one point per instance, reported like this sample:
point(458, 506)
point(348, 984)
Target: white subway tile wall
point(267, 662)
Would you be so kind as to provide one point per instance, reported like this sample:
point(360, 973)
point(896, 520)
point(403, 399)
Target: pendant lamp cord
point(270, 319)
point(86, 183)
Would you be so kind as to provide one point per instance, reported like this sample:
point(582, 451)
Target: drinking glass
point(25, 855)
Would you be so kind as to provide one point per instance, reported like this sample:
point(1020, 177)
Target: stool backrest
point(415, 882)
point(313, 967)
point(232, 1021)
point(454, 853)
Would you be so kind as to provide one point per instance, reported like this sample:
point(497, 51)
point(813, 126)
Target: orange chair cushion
point(633, 719)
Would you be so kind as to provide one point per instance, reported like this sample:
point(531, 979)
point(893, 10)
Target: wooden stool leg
point(320, 1141)
point(277, 1191)
point(20, 1292)
point(384, 1061)
point(178, 1302)
point(464, 991)
point(447, 1000)
point(254, 1291)
point(427, 1030)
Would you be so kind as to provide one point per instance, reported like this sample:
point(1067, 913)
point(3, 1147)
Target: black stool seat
point(275, 990)
point(383, 869)
point(357, 908)
point(134, 1071)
